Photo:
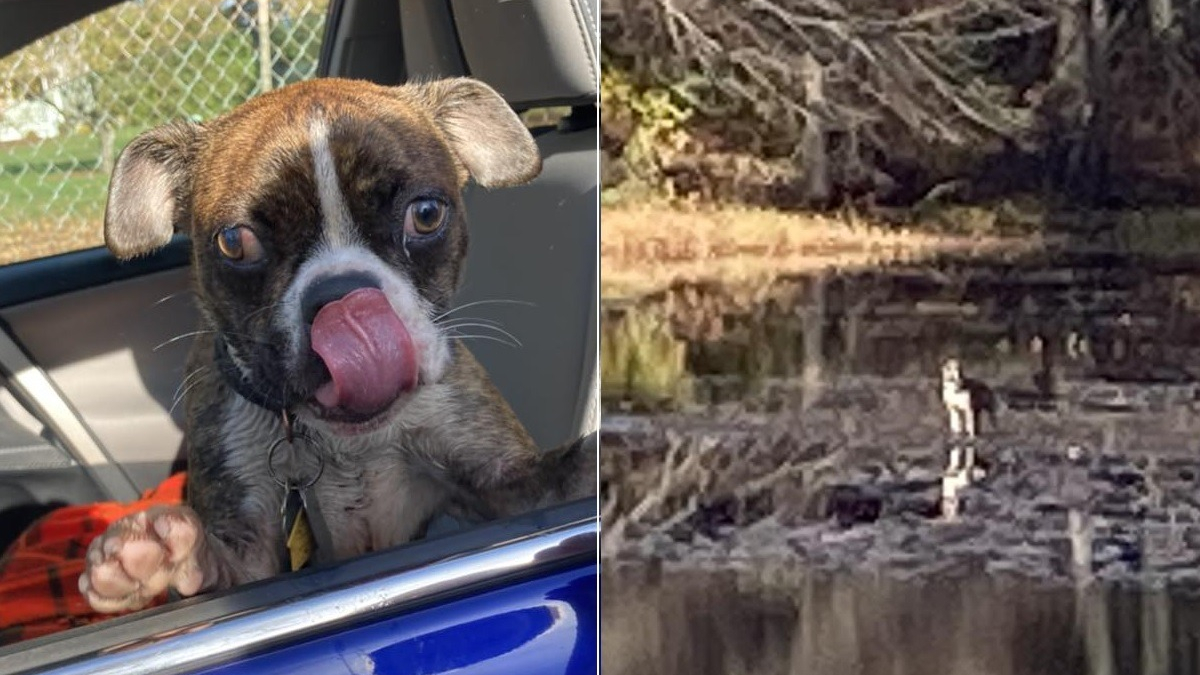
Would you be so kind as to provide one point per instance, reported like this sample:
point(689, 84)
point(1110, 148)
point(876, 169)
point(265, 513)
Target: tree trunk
point(813, 150)
point(108, 148)
point(1067, 100)
point(264, 46)
point(1092, 612)
point(1156, 632)
point(1162, 18)
point(1099, 118)
point(813, 370)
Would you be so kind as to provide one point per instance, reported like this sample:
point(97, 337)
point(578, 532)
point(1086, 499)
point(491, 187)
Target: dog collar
point(275, 403)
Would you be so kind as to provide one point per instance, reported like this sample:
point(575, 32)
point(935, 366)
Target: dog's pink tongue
point(367, 350)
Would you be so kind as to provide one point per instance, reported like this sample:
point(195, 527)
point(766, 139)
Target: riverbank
point(647, 246)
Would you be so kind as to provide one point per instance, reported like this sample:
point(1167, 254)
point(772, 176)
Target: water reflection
point(1025, 325)
point(1076, 548)
point(721, 622)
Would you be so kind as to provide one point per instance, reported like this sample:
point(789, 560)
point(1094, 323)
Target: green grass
point(641, 361)
point(79, 149)
point(52, 194)
point(55, 195)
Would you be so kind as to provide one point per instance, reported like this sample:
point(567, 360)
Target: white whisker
point(180, 397)
point(181, 337)
point(488, 337)
point(170, 297)
point(482, 302)
point(450, 323)
point(190, 375)
point(490, 327)
point(260, 310)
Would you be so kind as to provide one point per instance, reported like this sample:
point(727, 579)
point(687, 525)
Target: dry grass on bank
point(647, 246)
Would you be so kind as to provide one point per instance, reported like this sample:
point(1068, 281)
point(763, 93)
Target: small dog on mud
point(330, 409)
point(966, 400)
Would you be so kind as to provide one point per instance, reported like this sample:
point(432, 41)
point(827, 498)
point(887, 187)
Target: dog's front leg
point(565, 473)
point(164, 547)
point(956, 424)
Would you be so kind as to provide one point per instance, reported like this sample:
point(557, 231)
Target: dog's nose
point(327, 289)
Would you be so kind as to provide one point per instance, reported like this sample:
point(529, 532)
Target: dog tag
point(317, 528)
point(298, 541)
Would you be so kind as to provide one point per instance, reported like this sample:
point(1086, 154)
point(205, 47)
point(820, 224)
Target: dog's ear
point(483, 131)
point(149, 189)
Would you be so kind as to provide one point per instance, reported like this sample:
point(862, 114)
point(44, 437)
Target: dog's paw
point(142, 555)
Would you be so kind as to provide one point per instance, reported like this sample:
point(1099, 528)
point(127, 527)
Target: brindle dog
point(328, 234)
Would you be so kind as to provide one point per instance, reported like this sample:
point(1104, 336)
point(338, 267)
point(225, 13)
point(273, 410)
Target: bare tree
point(884, 78)
point(937, 84)
point(683, 475)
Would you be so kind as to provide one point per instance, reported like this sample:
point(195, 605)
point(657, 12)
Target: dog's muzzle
point(362, 342)
point(330, 289)
point(358, 357)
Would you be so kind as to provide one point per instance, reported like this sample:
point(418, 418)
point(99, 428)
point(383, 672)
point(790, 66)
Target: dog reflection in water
point(961, 471)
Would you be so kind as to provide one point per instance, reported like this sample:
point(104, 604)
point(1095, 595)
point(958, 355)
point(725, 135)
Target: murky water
point(727, 622)
point(1026, 326)
point(1094, 359)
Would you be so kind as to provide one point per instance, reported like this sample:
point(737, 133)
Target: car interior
point(92, 350)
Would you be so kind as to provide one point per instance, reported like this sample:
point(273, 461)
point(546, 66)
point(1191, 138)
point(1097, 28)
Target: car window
point(70, 101)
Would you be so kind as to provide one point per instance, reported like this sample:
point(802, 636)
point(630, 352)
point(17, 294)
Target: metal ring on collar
point(271, 456)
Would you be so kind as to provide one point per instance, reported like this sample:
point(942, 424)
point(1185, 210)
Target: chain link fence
point(70, 101)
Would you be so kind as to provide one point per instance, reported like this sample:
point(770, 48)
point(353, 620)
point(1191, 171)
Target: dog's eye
point(424, 216)
point(239, 244)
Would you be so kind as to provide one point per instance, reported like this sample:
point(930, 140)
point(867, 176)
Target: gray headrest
point(534, 52)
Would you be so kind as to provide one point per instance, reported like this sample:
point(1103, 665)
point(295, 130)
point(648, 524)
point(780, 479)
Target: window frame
point(254, 618)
